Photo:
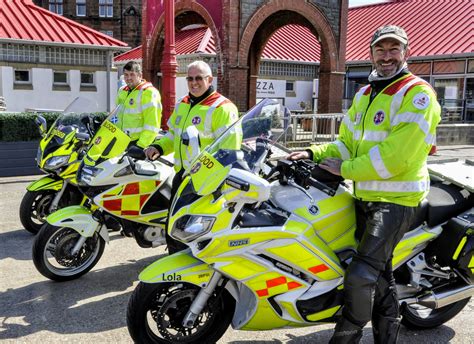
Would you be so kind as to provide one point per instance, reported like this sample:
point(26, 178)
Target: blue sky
point(363, 2)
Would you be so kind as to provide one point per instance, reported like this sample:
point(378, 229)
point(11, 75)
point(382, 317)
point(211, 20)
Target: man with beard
point(383, 145)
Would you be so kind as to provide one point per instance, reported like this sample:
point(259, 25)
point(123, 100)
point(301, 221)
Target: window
point(87, 79)
point(448, 67)
point(450, 97)
point(56, 6)
point(290, 86)
point(81, 8)
point(470, 66)
point(106, 8)
point(60, 78)
point(22, 77)
point(109, 33)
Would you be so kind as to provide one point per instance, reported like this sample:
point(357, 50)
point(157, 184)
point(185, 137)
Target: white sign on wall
point(271, 88)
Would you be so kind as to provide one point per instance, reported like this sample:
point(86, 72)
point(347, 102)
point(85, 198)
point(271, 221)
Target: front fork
point(201, 299)
point(54, 204)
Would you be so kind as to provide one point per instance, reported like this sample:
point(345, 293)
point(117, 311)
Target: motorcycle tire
point(51, 253)
point(422, 318)
point(34, 209)
point(155, 313)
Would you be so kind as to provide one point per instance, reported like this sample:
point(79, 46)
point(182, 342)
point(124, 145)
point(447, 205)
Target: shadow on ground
point(96, 302)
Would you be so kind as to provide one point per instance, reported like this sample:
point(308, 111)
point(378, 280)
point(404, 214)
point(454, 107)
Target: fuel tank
point(331, 217)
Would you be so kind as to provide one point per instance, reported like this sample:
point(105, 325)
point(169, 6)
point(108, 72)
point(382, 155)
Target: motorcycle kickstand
point(200, 301)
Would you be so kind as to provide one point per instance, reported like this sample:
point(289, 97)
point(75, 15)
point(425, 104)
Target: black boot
point(346, 332)
point(385, 329)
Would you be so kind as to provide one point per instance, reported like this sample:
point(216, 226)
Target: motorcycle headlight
point(87, 173)
point(190, 227)
point(56, 162)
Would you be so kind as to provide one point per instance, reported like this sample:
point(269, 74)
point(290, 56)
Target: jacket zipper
point(362, 133)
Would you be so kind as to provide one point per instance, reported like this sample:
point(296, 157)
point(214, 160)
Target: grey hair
point(202, 66)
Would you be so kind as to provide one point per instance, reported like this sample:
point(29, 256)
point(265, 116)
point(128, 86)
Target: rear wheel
point(156, 312)
point(418, 317)
point(52, 253)
point(34, 209)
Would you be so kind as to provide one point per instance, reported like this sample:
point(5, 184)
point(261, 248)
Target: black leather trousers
point(369, 286)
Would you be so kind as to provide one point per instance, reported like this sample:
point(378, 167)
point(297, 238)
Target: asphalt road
point(92, 309)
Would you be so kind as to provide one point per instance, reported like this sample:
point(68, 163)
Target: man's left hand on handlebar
point(332, 165)
point(152, 153)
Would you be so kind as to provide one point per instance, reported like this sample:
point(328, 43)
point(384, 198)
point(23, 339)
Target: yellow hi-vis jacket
point(385, 143)
point(212, 116)
point(141, 115)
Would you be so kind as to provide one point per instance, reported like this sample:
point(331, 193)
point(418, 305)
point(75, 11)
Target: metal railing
point(314, 128)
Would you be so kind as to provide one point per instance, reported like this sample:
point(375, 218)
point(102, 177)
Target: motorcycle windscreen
point(108, 142)
point(207, 174)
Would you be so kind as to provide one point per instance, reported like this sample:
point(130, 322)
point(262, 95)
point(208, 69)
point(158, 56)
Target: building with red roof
point(441, 37)
point(47, 60)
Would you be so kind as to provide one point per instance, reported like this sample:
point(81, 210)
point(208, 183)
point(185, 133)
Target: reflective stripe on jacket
point(385, 143)
point(141, 117)
point(212, 116)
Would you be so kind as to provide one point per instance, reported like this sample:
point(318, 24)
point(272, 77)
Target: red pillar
point(169, 66)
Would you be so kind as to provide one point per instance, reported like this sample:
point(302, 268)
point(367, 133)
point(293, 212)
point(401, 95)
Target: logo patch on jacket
point(196, 120)
point(131, 101)
point(379, 117)
point(196, 168)
point(421, 101)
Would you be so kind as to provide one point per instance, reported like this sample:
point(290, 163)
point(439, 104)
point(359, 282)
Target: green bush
point(22, 127)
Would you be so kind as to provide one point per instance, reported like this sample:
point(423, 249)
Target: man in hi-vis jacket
point(209, 111)
point(383, 145)
point(140, 117)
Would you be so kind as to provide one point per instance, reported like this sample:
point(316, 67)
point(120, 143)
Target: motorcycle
point(116, 182)
point(269, 241)
point(59, 154)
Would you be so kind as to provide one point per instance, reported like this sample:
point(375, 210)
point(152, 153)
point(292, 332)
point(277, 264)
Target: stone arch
point(188, 9)
point(272, 16)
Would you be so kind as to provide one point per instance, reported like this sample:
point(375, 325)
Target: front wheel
point(52, 253)
point(417, 317)
point(34, 209)
point(156, 311)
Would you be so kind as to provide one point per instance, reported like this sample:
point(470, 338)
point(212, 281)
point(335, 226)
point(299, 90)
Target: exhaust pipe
point(441, 298)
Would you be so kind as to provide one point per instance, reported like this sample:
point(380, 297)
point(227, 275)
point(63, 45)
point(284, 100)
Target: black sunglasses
point(197, 78)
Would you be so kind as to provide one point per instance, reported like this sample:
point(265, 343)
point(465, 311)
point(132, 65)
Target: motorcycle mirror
point(84, 137)
point(42, 125)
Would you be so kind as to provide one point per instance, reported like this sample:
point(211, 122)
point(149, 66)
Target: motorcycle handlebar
point(321, 186)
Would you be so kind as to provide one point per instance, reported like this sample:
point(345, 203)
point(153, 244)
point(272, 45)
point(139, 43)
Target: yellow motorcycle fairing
point(108, 142)
point(46, 183)
point(179, 267)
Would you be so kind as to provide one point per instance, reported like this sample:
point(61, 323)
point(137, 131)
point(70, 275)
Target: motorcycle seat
point(145, 168)
point(446, 201)
point(420, 215)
